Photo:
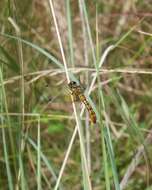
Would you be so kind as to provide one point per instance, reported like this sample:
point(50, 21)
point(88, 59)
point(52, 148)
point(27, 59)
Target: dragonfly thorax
point(75, 88)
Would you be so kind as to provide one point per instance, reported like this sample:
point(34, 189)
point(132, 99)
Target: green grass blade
point(38, 156)
point(36, 47)
point(45, 160)
point(4, 138)
point(112, 157)
point(70, 37)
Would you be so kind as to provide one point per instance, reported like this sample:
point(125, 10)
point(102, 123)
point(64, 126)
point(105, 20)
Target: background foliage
point(37, 120)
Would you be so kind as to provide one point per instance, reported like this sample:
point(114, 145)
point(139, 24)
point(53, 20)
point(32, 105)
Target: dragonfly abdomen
point(89, 108)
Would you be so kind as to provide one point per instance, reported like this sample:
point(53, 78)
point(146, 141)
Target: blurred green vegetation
point(29, 50)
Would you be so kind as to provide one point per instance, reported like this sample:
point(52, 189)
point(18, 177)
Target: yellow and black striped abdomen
point(89, 108)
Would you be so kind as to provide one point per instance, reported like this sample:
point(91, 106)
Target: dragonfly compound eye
point(72, 84)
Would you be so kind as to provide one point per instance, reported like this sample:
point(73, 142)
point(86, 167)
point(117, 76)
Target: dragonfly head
point(72, 85)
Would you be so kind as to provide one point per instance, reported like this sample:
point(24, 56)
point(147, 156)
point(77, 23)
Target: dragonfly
point(77, 93)
point(73, 88)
